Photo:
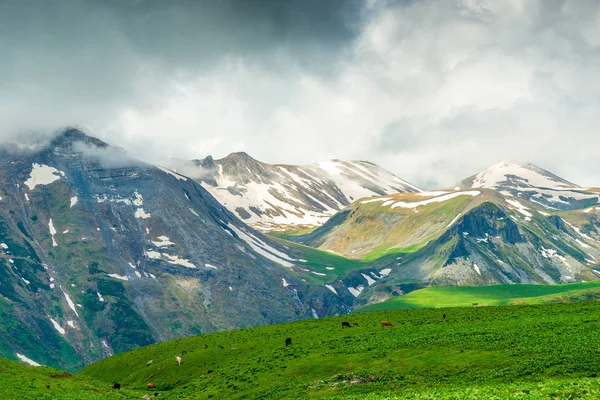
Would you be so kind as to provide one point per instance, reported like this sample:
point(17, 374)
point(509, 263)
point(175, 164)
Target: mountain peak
point(514, 174)
point(69, 136)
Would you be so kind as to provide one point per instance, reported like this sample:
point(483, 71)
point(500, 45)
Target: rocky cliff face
point(101, 253)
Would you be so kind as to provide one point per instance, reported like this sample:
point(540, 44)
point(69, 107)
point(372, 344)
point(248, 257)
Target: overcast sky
point(434, 91)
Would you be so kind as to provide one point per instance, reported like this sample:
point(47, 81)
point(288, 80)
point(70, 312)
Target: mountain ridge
point(280, 196)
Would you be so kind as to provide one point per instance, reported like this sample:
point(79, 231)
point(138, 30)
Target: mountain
point(532, 183)
point(281, 196)
point(474, 237)
point(101, 253)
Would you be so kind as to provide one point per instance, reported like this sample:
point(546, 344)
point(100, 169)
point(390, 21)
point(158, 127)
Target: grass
point(319, 261)
point(528, 351)
point(20, 381)
point(464, 296)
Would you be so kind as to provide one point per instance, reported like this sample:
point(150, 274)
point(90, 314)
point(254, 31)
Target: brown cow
point(151, 385)
point(117, 385)
point(386, 323)
point(345, 324)
point(355, 324)
point(475, 304)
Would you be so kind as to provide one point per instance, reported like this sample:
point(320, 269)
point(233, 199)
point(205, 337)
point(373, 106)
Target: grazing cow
point(288, 341)
point(178, 359)
point(210, 371)
point(386, 323)
point(355, 324)
point(149, 363)
point(151, 385)
point(117, 385)
point(475, 304)
point(444, 316)
point(205, 346)
point(345, 324)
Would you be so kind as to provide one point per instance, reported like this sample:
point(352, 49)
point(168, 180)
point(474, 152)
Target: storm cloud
point(433, 91)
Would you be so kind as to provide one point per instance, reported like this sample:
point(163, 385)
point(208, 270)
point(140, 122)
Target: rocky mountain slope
point(286, 196)
point(102, 253)
point(469, 237)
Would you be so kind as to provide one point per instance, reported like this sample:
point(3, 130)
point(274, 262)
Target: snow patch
point(168, 171)
point(178, 261)
point(140, 213)
point(385, 271)
point(476, 268)
point(163, 241)
point(42, 175)
point(52, 232)
point(370, 280)
point(57, 326)
point(207, 265)
point(100, 298)
point(73, 201)
point(27, 360)
point(69, 301)
point(356, 291)
point(284, 282)
point(119, 277)
point(262, 248)
point(332, 289)
point(438, 199)
point(454, 220)
point(520, 207)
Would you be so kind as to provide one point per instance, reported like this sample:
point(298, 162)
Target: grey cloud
point(433, 91)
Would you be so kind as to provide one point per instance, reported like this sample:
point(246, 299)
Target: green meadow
point(540, 351)
point(464, 296)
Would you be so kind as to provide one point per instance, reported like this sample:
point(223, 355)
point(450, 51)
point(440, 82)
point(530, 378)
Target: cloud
point(433, 91)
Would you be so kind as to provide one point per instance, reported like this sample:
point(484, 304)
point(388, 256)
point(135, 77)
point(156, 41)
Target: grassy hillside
point(464, 296)
point(20, 381)
point(370, 229)
point(536, 351)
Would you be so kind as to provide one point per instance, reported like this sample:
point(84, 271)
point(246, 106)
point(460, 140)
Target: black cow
point(444, 316)
point(117, 385)
point(345, 324)
point(288, 341)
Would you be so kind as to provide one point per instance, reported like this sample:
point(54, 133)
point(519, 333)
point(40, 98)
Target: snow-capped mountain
point(271, 196)
point(533, 183)
point(101, 253)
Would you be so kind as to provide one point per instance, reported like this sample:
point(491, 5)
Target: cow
point(288, 341)
point(149, 363)
point(475, 304)
point(151, 385)
point(116, 385)
point(178, 359)
point(183, 352)
point(345, 324)
point(205, 346)
point(386, 323)
point(355, 324)
point(443, 316)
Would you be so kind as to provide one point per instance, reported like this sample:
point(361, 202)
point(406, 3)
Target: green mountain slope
point(475, 237)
